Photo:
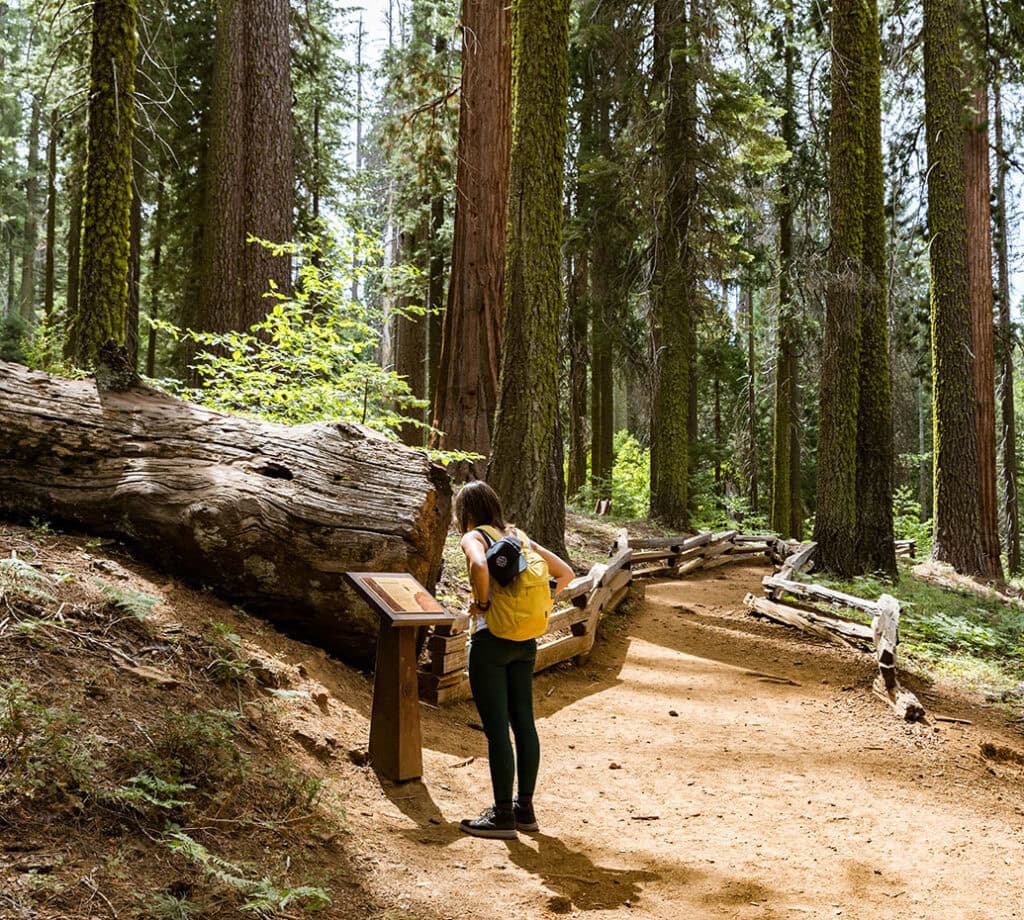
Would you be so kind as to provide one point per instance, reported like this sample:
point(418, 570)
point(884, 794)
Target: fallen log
point(812, 622)
point(269, 515)
point(817, 625)
point(774, 583)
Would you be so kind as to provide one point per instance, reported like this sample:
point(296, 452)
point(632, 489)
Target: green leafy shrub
point(43, 758)
point(144, 792)
point(227, 666)
point(134, 603)
point(195, 748)
point(631, 477)
point(907, 523)
point(314, 356)
point(19, 580)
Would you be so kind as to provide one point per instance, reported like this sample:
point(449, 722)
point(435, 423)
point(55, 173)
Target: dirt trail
point(703, 764)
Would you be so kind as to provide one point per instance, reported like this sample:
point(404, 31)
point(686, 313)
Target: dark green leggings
point(501, 675)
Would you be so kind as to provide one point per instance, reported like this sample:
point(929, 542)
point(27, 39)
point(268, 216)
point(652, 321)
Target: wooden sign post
point(403, 603)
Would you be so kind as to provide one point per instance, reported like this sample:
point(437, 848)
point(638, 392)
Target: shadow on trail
point(413, 799)
point(573, 874)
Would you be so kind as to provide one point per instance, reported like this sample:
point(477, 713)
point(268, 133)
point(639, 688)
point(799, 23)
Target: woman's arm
point(558, 568)
point(475, 548)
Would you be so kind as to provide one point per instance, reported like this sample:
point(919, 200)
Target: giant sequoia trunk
point(978, 188)
point(467, 391)
point(270, 515)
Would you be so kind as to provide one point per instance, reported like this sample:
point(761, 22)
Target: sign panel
point(401, 597)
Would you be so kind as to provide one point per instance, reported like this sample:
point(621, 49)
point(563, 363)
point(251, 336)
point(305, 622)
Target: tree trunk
point(156, 278)
point(836, 515)
point(26, 294)
point(51, 216)
point(75, 181)
point(270, 515)
point(672, 295)
point(752, 458)
point(250, 188)
point(578, 362)
point(602, 399)
point(978, 190)
point(467, 392)
point(131, 328)
point(1006, 347)
point(955, 447)
point(526, 464)
point(876, 551)
point(435, 301)
point(409, 336)
point(107, 192)
point(785, 369)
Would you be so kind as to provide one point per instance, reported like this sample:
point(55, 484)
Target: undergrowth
point(978, 640)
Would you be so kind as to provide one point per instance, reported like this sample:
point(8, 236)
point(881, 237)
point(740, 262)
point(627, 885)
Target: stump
point(269, 515)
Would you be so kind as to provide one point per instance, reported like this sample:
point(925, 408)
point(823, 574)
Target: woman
point(501, 670)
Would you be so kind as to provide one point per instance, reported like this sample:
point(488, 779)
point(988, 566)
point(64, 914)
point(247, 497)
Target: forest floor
point(700, 764)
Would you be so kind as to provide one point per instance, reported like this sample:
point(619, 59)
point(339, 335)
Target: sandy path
point(703, 764)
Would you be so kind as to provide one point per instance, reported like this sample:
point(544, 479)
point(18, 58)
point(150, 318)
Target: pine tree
point(526, 463)
point(876, 550)
point(250, 171)
point(673, 295)
point(956, 437)
point(107, 186)
point(836, 517)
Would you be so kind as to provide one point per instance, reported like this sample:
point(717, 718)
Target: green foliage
point(263, 897)
point(631, 477)
point(13, 330)
point(167, 906)
point(191, 748)
point(42, 756)
point(907, 523)
point(227, 665)
point(314, 357)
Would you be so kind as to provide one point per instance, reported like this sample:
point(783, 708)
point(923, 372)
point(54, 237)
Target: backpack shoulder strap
point(487, 537)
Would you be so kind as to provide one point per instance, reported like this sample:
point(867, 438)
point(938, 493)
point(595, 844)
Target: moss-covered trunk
point(526, 463)
point(955, 431)
point(876, 551)
point(836, 516)
point(27, 290)
point(107, 193)
point(672, 299)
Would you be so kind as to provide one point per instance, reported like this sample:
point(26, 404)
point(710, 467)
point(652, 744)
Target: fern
point(263, 897)
point(134, 603)
point(145, 789)
point(21, 581)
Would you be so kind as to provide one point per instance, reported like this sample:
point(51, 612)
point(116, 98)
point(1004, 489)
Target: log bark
point(269, 515)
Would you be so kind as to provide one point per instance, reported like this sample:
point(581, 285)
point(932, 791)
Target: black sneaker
point(526, 820)
point(492, 823)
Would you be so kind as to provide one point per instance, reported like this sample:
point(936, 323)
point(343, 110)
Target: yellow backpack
point(520, 611)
